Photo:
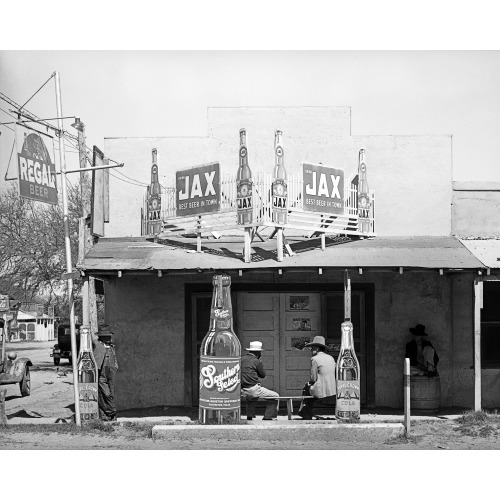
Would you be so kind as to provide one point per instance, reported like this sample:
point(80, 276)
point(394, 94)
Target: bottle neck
point(85, 342)
point(347, 339)
point(221, 312)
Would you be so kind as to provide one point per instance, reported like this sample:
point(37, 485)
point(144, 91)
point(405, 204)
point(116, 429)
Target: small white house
point(33, 327)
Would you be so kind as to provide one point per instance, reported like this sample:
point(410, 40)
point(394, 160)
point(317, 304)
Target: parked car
point(12, 370)
point(62, 350)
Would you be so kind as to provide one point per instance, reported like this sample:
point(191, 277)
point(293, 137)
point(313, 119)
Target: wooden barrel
point(425, 394)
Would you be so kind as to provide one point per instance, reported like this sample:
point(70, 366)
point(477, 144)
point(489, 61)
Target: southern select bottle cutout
point(244, 184)
point(87, 378)
point(220, 360)
point(279, 186)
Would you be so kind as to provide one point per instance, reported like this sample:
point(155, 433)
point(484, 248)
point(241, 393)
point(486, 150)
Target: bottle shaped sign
point(244, 184)
point(87, 378)
point(363, 195)
point(154, 198)
point(348, 388)
point(279, 186)
point(220, 360)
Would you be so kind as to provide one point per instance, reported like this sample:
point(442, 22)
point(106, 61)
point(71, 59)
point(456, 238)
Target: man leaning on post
point(251, 370)
point(107, 365)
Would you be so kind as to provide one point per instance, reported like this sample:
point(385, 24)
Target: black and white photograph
point(276, 248)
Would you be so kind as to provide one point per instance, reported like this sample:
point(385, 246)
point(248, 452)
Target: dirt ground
point(52, 396)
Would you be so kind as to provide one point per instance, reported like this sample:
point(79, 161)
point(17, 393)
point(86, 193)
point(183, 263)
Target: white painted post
point(279, 244)
point(247, 249)
point(478, 304)
point(407, 405)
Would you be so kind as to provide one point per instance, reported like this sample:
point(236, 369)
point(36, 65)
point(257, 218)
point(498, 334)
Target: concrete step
point(311, 431)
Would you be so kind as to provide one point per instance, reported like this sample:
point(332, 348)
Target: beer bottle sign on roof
point(244, 184)
point(279, 185)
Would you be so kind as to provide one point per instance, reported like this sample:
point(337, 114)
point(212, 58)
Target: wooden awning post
point(478, 304)
point(198, 235)
point(279, 244)
point(323, 241)
point(247, 247)
point(407, 405)
point(347, 296)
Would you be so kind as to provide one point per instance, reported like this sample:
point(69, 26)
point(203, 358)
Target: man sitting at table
point(251, 370)
point(322, 383)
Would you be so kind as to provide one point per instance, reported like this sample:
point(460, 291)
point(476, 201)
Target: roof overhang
point(179, 255)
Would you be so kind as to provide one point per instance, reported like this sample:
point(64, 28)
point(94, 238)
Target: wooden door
point(300, 321)
point(258, 319)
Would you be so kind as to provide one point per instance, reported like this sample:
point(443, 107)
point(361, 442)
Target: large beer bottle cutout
point(348, 387)
point(87, 378)
point(244, 184)
point(279, 186)
point(220, 360)
point(363, 195)
point(154, 198)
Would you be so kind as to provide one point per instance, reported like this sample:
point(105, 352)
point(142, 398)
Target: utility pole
point(69, 265)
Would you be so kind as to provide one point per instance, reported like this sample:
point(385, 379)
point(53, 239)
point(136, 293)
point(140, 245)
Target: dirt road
point(51, 386)
point(52, 396)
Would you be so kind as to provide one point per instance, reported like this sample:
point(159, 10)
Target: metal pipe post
point(69, 265)
point(407, 405)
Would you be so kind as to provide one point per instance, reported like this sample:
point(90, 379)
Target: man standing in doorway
point(251, 370)
point(422, 355)
point(107, 365)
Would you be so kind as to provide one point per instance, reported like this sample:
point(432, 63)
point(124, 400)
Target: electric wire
point(48, 80)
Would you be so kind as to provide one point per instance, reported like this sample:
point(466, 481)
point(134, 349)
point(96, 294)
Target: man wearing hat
point(107, 365)
point(322, 383)
point(251, 370)
point(423, 356)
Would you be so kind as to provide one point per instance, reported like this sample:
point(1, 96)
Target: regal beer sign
point(36, 165)
point(323, 189)
point(198, 190)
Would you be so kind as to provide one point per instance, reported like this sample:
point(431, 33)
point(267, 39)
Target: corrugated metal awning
point(485, 250)
point(113, 254)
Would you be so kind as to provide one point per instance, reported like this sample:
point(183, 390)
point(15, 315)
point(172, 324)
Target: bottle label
point(220, 382)
point(348, 399)
point(88, 400)
point(244, 201)
point(280, 201)
point(87, 384)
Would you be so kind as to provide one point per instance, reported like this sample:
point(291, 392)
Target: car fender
point(20, 366)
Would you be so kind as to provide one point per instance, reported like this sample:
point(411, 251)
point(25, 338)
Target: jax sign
point(323, 188)
point(198, 190)
point(36, 165)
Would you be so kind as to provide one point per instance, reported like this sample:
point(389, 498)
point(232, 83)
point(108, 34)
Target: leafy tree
point(32, 247)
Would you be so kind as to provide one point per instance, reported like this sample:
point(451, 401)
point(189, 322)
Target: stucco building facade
point(414, 269)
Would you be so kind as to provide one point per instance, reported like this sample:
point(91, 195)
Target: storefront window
point(490, 325)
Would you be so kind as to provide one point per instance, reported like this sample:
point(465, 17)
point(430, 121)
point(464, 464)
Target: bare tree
point(32, 247)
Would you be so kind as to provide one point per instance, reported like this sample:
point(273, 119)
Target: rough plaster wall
point(147, 315)
point(476, 213)
point(401, 302)
point(463, 341)
point(411, 175)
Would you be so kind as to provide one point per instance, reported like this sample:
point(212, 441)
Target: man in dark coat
point(107, 365)
point(423, 356)
point(251, 370)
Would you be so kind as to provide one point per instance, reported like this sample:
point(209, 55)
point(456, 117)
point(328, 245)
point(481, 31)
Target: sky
point(166, 93)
